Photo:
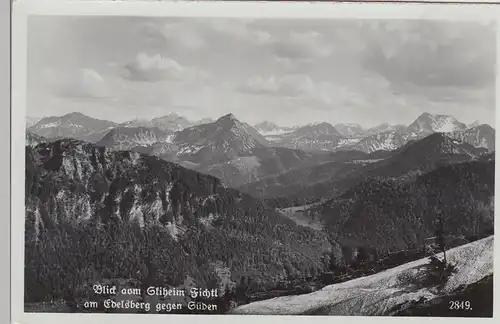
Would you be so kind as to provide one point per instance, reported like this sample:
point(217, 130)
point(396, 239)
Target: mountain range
point(319, 136)
point(239, 153)
point(270, 129)
point(73, 125)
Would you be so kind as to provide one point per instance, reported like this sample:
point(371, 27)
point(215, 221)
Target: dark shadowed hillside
point(391, 215)
point(296, 182)
point(424, 155)
point(319, 182)
point(267, 164)
point(94, 214)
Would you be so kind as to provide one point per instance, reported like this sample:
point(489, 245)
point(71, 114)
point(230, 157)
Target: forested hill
point(393, 215)
point(306, 185)
point(93, 214)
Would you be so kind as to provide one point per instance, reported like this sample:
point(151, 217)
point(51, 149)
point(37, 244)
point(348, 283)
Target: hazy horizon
point(289, 72)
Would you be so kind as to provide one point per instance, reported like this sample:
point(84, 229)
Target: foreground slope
point(378, 294)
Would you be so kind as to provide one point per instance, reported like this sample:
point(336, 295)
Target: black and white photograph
point(259, 166)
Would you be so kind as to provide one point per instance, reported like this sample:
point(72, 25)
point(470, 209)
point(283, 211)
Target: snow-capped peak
point(227, 117)
point(270, 128)
point(349, 129)
point(429, 123)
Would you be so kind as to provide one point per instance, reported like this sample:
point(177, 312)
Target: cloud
point(174, 34)
point(196, 34)
point(240, 30)
point(296, 87)
point(301, 46)
point(433, 54)
point(81, 84)
point(286, 86)
point(185, 37)
point(159, 68)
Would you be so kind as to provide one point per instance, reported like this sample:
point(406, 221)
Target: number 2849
point(460, 305)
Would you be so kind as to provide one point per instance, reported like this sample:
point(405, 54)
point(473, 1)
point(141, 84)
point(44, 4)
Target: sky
point(288, 71)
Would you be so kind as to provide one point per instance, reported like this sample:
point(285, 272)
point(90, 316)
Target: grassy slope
point(381, 292)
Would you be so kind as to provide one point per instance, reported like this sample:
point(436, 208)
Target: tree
point(363, 254)
point(242, 290)
point(439, 270)
point(440, 238)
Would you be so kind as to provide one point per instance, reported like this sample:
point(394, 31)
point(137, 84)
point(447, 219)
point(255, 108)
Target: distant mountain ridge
point(239, 153)
point(30, 121)
point(170, 122)
point(79, 126)
point(479, 136)
point(424, 125)
point(74, 125)
point(385, 127)
point(382, 137)
point(227, 148)
point(322, 136)
point(316, 136)
point(428, 123)
point(268, 128)
point(126, 138)
point(387, 141)
point(350, 130)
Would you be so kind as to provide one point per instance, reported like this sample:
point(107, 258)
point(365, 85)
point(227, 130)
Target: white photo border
point(23, 9)
point(5, 91)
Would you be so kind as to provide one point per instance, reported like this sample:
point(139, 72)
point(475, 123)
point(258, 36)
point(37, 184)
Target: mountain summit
point(171, 122)
point(350, 130)
point(228, 117)
point(322, 136)
point(73, 125)
point(318, 129)
point(478, 136)
point(270, 128)
point(126, 138)
point(220, 141)
point(428, 123)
